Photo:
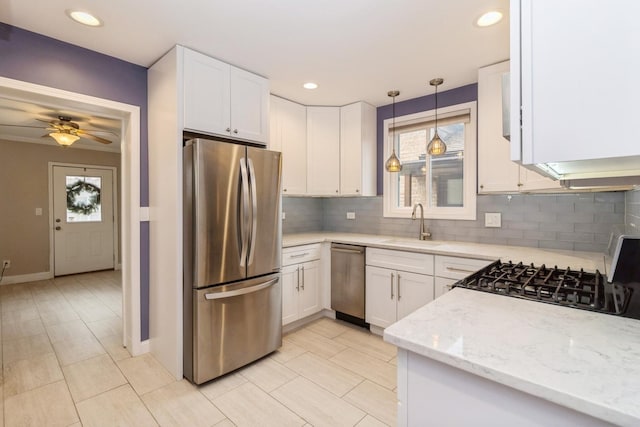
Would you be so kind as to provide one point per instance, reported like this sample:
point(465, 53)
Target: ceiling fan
point(66, 132)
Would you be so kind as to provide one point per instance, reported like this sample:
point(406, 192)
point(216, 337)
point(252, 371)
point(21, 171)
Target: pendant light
point(436, 146)
point(393, 162)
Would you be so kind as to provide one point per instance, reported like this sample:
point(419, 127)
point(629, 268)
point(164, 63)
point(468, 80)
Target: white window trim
point(468, 211)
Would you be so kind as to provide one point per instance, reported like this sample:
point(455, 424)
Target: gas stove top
point(567, 287)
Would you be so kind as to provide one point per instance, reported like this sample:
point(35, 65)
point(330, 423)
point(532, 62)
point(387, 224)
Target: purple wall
point(455, 96)
point(34, 58)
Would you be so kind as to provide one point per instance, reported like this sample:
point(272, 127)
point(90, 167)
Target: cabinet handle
point(460, 270)
point(391, 285)
point(357, 191)
point(399, 296)
point(299, 255)
point(298, 281)
point(235, 131)
point(302, 278)
point(285, 190)
point(336, 191)
point(228, 129)
point(520, 184)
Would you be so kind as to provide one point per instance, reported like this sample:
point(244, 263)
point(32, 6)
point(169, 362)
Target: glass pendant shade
point(63, 138)
point(436, 146)
point(393, 162)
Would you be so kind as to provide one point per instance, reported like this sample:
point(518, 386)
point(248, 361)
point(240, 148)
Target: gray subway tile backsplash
point(579, 221)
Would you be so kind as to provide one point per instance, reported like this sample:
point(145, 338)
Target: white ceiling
point(354, 49)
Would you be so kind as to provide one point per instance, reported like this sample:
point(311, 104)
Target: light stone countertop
point(590, 261)
point(582, 360)
point(579, 359)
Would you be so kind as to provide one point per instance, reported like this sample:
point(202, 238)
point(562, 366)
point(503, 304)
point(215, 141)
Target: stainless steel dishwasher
point(347, 282)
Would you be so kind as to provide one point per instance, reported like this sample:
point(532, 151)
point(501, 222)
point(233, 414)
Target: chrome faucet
point(424, 235)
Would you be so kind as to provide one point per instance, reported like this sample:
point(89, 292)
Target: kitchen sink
point(412, 242)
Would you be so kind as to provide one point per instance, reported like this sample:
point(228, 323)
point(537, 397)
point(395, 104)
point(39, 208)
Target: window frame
point(389, 193)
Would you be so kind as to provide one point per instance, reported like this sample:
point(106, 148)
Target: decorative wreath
point(85, 207)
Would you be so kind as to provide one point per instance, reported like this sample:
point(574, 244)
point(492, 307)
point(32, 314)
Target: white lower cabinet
point(450, 269)
point(392, 294)
point(300, 283)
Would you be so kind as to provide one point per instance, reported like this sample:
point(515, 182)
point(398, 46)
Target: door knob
point(58, 228)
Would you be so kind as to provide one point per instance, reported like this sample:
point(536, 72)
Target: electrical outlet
point(493, 219)
point(351, 215)
point(284, 216)
point(6, 263)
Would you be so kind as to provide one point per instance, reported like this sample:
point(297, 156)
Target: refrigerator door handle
point(243, 291)
point(244, 226)
point(254, 211)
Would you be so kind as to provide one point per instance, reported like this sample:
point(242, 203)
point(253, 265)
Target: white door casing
point(83, 242)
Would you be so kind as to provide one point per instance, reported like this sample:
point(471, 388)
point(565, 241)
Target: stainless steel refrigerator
point(232, 246)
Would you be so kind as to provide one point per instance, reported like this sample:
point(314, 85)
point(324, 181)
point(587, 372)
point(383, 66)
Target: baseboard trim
point(23, 278)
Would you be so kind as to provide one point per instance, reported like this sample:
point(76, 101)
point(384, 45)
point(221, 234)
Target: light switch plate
point(351, 215)
point(493, 219)
point(38, 211)
point(284, 216)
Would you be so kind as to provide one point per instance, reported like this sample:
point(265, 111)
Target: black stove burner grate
point(574, 288)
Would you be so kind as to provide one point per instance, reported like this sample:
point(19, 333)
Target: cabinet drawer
point(400, 260)
point(298, 254)
point(458, 268)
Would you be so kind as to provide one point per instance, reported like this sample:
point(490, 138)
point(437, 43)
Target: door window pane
point(83, 198)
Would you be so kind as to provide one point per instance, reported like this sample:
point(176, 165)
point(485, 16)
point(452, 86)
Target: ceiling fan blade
point(49, 122)
point(100, 131)
point(22, 126)
point(83, 134)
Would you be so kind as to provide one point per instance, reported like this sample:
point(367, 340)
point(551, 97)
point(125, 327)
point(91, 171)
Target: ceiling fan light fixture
point(64, 138)
point(84, 18)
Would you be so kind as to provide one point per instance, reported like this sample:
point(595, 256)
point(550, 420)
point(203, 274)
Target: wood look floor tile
point(375, 400)
point(92, 377)
point(225, 423)
point(268, 374)
point(325, 373)
point(24, 348)
point(57, 317)
point(22, 315)
point(316, 405)
point(368, 343)
point(15, 330)
point(367, 366)
point(68, 330)
point(370, 421)
point(28, 374)
point(328, 328)
point(248, 405)
point(93, 312)
point(117, 407)
point(219, 386)
point(77, 349)
point(181, 404)
point(287, 352)
point(315, 343)
point(145, 373)
point(49, 405)
point(115, 348)
point(109, 326)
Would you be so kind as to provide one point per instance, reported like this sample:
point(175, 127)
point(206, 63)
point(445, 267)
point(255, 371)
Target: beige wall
point(24, 186)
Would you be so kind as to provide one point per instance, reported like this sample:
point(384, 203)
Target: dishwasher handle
point(347, 251)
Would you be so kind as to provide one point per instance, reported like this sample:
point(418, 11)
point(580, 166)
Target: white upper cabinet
point(358, 150)
point(323, 151)
point(496, 172)
point(288, 132)
point(224, 100)
point(576, 80)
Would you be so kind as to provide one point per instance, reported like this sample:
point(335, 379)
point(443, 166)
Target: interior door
point(83, 219)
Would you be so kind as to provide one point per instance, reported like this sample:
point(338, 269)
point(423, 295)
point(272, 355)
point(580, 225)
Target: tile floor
point(63, 364)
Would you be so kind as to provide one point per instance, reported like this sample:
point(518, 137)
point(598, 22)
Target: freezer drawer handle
point(347, 251)
point(243, 291)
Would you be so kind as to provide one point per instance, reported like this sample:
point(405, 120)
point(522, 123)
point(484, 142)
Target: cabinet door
point(206, 94)
point(323, 151)
point(309, 302)
point(358, 150)
point(380, 296)
point(496, 171)
point(532, 181)
point(293, 143)
point(249, 106)
point(442, 286)
point(290, 292)
point(414, 291)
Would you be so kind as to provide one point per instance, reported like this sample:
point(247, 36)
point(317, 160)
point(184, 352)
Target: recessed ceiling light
point(489, 18)
point(310, 85)
point(84, 18)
